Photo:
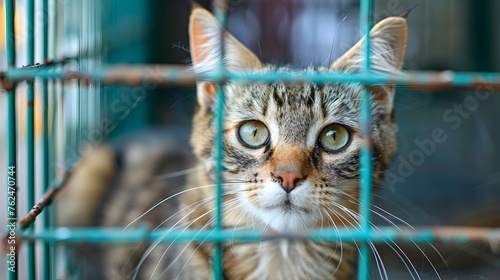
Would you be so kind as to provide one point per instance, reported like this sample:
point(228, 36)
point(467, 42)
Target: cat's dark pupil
point(254, 131)
point(333, 134)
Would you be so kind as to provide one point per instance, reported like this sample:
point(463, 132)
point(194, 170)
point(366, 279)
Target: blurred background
point(458, 183)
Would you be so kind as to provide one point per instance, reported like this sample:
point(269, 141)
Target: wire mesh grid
point(57, 78)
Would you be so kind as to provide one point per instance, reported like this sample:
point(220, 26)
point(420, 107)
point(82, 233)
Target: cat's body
point(291, 162)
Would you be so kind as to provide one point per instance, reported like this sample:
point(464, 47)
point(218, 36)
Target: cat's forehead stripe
point(290, 102)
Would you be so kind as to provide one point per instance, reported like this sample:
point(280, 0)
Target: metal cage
point(75, 27)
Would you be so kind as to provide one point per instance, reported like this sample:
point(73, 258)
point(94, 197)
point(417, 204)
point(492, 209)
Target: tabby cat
point(291, 158)
point(291, 164)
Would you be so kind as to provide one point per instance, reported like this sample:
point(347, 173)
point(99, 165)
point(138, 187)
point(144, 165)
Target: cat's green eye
point(334, 138)
point(253, 134)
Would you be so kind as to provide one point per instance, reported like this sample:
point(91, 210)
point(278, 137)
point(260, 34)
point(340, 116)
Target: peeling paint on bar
point(182, 75)
point(384, 234)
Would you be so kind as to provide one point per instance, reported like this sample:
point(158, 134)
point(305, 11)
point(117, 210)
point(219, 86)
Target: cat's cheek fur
point(268, 206)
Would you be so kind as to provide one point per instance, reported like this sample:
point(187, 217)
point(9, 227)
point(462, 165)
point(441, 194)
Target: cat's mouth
point(288, 206)
point(283, 212)
point(286, 216)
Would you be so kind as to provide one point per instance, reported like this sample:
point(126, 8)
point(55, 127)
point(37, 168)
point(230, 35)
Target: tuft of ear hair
point(407, 12)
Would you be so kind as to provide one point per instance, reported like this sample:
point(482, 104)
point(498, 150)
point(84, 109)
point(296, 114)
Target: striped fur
point(294, 114)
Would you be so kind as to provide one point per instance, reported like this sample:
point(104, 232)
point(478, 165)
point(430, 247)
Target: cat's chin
point(287, 221)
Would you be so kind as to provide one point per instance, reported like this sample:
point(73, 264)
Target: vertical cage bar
point(56, 113)
point(48, 248)
point(69, 133)
point(98, 58)
point(90, 54)
point(78, 99)
point(30, 135)
point(83, 66)
point(365, 157)
point(218, 263)
point(97, 61)
point(52, 43)
point(11, 207)
point(51, 39)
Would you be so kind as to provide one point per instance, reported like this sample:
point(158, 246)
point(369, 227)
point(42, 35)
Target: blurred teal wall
point(140, 32)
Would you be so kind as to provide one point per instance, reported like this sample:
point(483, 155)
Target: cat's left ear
point(387, 50)
point(205, 47)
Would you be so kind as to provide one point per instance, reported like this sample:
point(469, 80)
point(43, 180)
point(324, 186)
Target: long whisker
point(178, 173)
point(357, 202)
point(197, 247)
point(243, 212)
point(406, 260)
point(158, 241)
point(427, 258)
point(226, 204)
point(202, 202)
point(329, 59)
point(341, 244)
point(183, 250)
point(210, 221)
point(338, 244)
point(170, 197)
point(378, 259)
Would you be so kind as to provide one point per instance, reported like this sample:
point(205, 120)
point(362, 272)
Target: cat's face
point(291, 150)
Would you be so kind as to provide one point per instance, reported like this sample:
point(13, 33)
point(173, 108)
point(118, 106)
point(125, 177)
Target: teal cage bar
point(219, 146)
point(77, 82)
point(366, 164)
point(30, 118)
point(11, 139)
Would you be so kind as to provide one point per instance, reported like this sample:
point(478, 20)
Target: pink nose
point(289, 179)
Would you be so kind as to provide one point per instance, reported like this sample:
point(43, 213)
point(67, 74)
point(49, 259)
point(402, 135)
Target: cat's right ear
point(387, 48)
point(205, 47)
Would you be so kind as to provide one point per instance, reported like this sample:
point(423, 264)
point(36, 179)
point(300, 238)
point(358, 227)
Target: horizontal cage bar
point(182, 75)
point(349, 234)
